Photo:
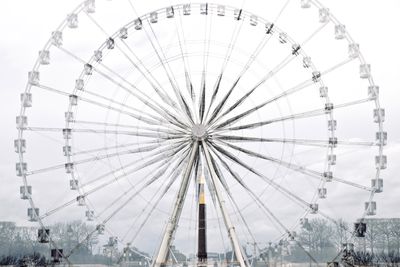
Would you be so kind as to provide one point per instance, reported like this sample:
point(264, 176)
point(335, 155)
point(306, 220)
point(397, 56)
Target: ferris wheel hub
point(199, 132)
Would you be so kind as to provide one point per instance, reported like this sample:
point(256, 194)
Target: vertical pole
point(228, 224)
point(161, 257)
point(202, 224)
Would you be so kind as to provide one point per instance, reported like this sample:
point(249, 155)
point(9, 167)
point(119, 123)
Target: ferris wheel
point(199, 126)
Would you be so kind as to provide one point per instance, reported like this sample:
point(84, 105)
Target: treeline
point(19, 245)
point(324, 241)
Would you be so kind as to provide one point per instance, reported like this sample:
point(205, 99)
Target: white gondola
point(314, 208)
point(307, 62)
point(322, 192)
point(100, 229)
point(340, 31)
point(377, 185)
point(221, 10)
point(381, 138)
point(123, 33)
point(328, 176)
point(333, 141)
point(237, 14)
point(170, 12)
point(98, 57)
point(110, 44)
point(323, 15)
point(73, 100)
point(33, 214)
point(21, 168)
point(20, 145)
point(22, 122)
point(373, 91)
point(90, 6)
point(379, 115)
point(153, 17)
point(44, 57)
point(57, 38)
point(89, 215)
point(295, 49)
point(25, 192)
point(328, 106)
point(269, 28)
point(354, 50)
point(34, 77)
point(316, 76)
point(26, 100)
point(283, 38)
point(138, 24)
point(43, 235)
point(204, 8)
point(365, 71)
point(69, 116)
point(67, 150)
point(381, 162)
point(80, 200)
point(253, 20)
point(69, 167)
point(79, 84)
point(332, 159)
point(186, 9)
point(73, 184)
point(88, 69)
point(72, 21)
point(370, 208)
point(332, 125)
point(323, 91)
point(67, 133)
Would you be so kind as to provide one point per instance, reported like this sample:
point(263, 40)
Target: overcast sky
point(26, 24)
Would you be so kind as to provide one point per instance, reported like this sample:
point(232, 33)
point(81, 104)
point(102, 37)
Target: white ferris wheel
point(131, 121)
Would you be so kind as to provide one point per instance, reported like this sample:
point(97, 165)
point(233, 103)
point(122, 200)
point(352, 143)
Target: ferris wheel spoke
point(271, 74)
point(263, 207)
point(232, 199)
point(167, 68)
point(162, 158)
point(276, 223)
point(117, 125)
point(95, 158)
point(163, 96)
point(307, 114)
point(172, 176)
point(139, 116)
point(161, 120)
point(116, 200)
point(160, 136)
point(169, 232)
point(298, 168)
point(239, 117)
point(292, 196)
point(155, 174)
point(183, 50)
point(226, 60)
point(303, 142)
point(240, 256)
point(145, 100)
